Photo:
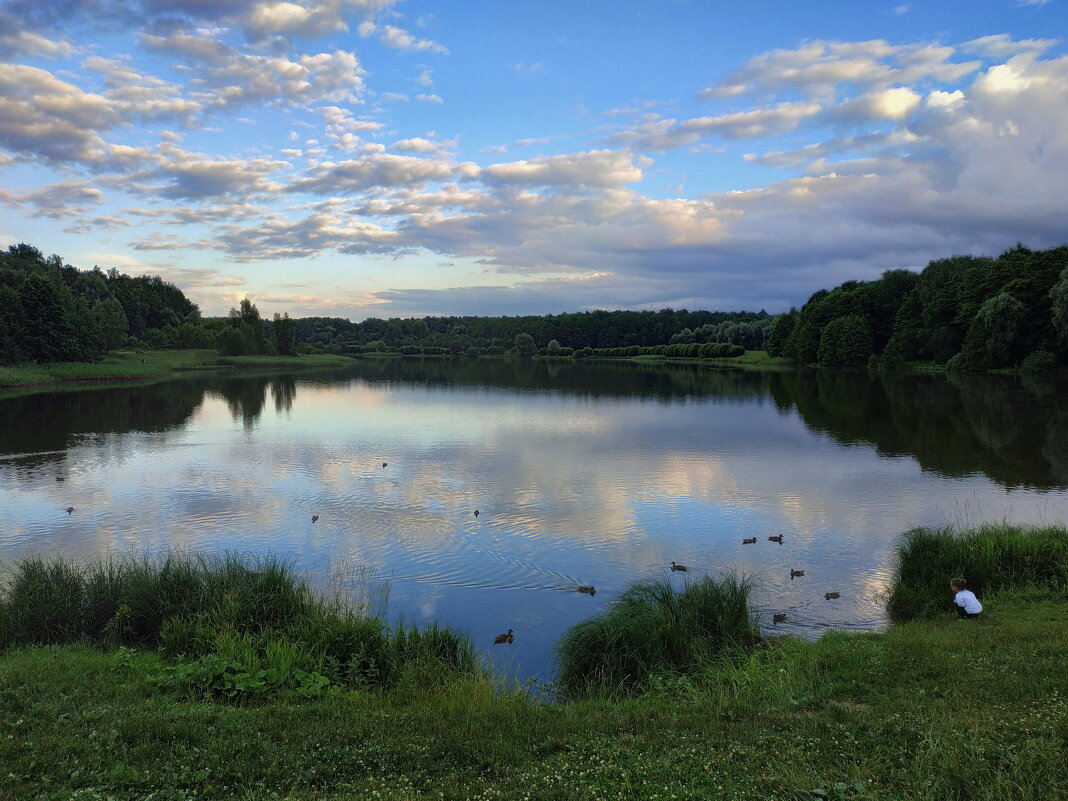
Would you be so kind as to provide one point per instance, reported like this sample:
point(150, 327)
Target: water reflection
point(591, 475)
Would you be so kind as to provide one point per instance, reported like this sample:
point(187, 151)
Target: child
point(967, 604)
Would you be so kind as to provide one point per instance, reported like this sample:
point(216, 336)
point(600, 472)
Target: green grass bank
point(931, 709)
point(127, 365)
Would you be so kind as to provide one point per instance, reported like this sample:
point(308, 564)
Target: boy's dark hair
point(958, 583)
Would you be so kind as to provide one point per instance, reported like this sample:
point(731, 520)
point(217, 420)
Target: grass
point(653, 632)
point(125, 365)
point(240, 628)
point(931, 710)
point(991, 558)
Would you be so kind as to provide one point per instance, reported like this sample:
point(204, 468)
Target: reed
point(654, 631)
point(239, 612)
point(991, 558)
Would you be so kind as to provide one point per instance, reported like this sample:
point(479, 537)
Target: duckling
point(795, 573)
point(60, 478)
point(777, 538)
point(70, 510)
point(504, 639)
point(315, 518)
point(830, 595)
point(587, 590)
point(476, 512)
point(779, 617)
point(748, 540)
point(679, 568)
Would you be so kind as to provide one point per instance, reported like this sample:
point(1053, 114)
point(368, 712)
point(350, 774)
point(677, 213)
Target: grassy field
point(934, 709)
point(124, 365)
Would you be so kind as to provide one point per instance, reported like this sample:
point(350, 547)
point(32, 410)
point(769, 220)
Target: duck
point(831, 595)
point(70, 510)
point(777, 538)
point(504, 639)
point(385, 463)
point(795, 573)
point(679, 568)
point(748, 540)
point(60, 478)
point(779, 617)
point(314, 518)
point(587, 590)
point(476, 512)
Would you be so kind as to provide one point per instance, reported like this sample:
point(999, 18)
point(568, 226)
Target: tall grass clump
point(990, 558)
point(228, 621)
point(653, 632)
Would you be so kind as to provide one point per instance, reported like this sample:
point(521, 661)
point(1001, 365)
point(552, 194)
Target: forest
point(966, 312)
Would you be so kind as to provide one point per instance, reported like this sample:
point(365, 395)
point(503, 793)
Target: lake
point(595, 474)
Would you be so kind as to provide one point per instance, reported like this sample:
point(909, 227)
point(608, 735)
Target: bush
point(655, 631)
point(1039, 362)
point(991, 558)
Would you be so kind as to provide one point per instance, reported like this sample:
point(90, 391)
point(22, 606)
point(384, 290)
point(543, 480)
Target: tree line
point(967, 312)
point(575, 330)
point(53, 312)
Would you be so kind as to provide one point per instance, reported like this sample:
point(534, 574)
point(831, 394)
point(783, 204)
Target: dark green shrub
point(655, 631)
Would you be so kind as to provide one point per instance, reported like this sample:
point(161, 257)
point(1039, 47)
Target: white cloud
point(373, 171)
point(593, 168)
point(429, 98)
point(399, 39)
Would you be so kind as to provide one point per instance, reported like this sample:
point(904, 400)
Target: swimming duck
point(587, 590)
point(384, 463)
point(795, 573)
point(777, 538)
point(748, 540)
point(679, 568)
point(831, 595)
point(70, 510)
point(779, 617)
point(314, 518)
point(476, 512)
point(504, 639)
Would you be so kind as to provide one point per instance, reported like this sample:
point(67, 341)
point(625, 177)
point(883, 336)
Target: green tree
point(846, 342)
point(46, 330)
point(780, 332)
point(1058, 296)
point(284, 335)
point(525, 346)
point(553, 348)
point(992, 333)
point(111, 322)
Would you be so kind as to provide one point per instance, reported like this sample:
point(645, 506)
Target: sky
point(398, 158)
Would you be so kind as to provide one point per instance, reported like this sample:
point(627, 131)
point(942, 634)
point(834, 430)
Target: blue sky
point(390, 158)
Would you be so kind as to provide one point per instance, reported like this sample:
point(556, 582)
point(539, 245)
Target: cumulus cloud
point(186, 175)
point(656, 134)
point(375, 170)
point(225, 76)
point(818, 69)
point(400, 39)
point(56, 201)
point(15, 41)
point(593, 168)
point(44, 117)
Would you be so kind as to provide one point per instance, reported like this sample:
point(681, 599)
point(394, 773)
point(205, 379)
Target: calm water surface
point(582, 475)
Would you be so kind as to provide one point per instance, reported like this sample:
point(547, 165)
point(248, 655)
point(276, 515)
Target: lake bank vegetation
point(966, 312)
point(930, 709)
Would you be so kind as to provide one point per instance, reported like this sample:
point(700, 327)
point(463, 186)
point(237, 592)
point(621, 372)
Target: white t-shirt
point(967, 599)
